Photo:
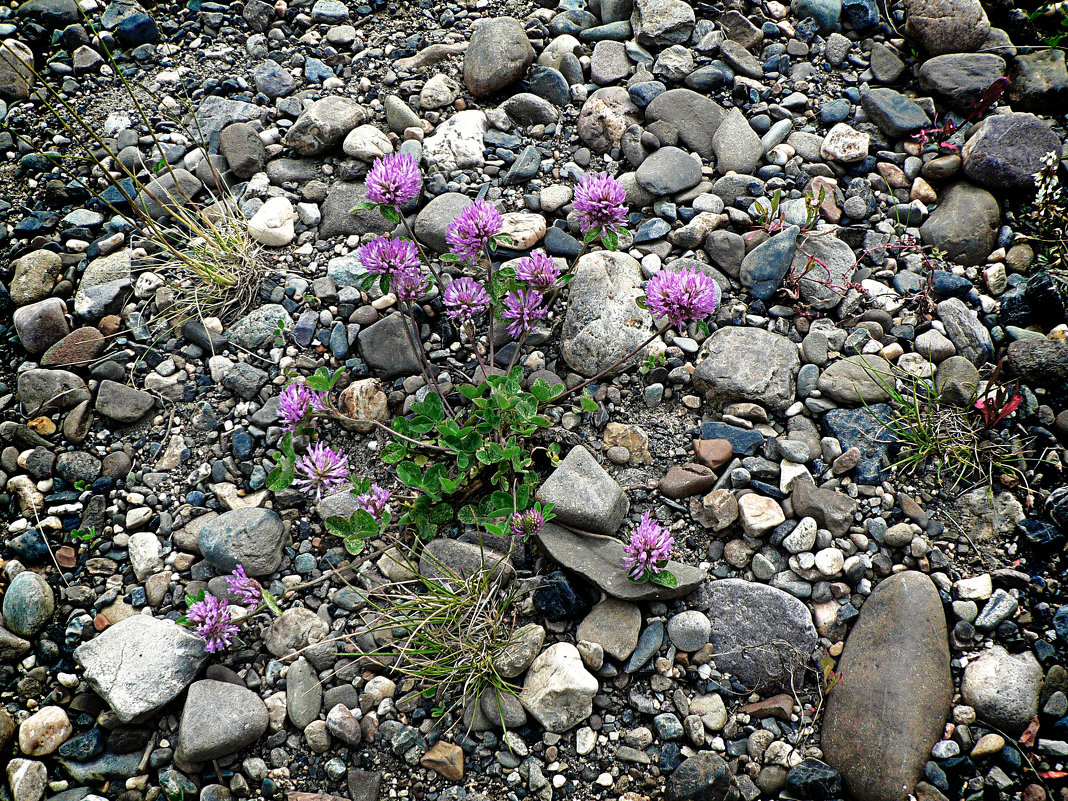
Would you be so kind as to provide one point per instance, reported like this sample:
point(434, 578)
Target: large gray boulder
point(219, 718)
point(747, 364)
point(1006, 150)
point(603, 322)
point(584, 495)
point(761, 635)
point(947, 26)
point(965, 224)
point(497, 56)
point(324, 125)
point(1003, 688)
point(251, 537)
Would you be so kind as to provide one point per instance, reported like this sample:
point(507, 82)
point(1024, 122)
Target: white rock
point(711, 710)
point(977, 588)
point(789, 472)
point(44, 731)
point(559, 690)
point(1003, 688)
point(759, 514)
point(144, 550)
point(457, 143)
point(366, 143)
point(440, 90)
point(830, 561)
point(272, 225)
point(803, 537)
point(846, 144)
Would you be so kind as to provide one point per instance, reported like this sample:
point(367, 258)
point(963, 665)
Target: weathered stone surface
point(760, 635)
point(140, 664)
point(965, 224)
point(1006, 150)
point(598, 559)
point(614, 625)
point(584, 495)
point(559, 690)
point(747, 364)
point(1003, 688)
point(218, 719)
point(251, 537)
point(693, 115)
point(857, 379)
point(884, 718)
point(603, 323)
point(324, 125)
point(947, 26)
point(498, 55)
point(605, 116)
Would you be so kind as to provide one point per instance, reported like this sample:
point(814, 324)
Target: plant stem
point(474, 346)
point(428, 374)
point(515, 355)
point(612, 366)
point(493, 305)
point(340, 417)
point(422, 252)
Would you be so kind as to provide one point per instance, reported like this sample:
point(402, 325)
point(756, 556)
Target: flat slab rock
point(599, 558)
point(891, 709)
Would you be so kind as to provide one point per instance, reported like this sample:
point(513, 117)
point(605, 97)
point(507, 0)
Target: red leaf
point(1028, 737)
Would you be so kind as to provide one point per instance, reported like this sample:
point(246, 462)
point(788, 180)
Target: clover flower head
point(245, 588)
point(374, 500)
point(465, 299)
point(384, 255)
point(649, 548)
point(539, 270)
point(409, 284)
point(600, 203)
point(295, 402)
point(322, 470)
point(526, 524)
point(523, 309)
point(681, 297)
point(211, 622)
point(394, 180)
point(472, 229)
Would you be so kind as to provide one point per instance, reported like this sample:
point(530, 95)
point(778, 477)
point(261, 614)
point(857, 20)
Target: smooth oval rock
point(883, 719)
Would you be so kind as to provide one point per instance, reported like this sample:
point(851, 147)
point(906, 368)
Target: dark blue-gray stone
point(863, 14)
point(764, 268)
point(649, 643)
point(703, 777)
point(895, 114)
point(551, 84)
point(743, 440)
point(812, 780)
point(864, 428)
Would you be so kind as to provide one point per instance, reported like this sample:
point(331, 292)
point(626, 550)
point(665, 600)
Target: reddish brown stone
point(846, 462)
point(445, 758)
point(690, 479)
point(892, 704)
point(778, 707)
point(110, 325)
point(79, 347)
point(66, 556)
point(714, 452)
